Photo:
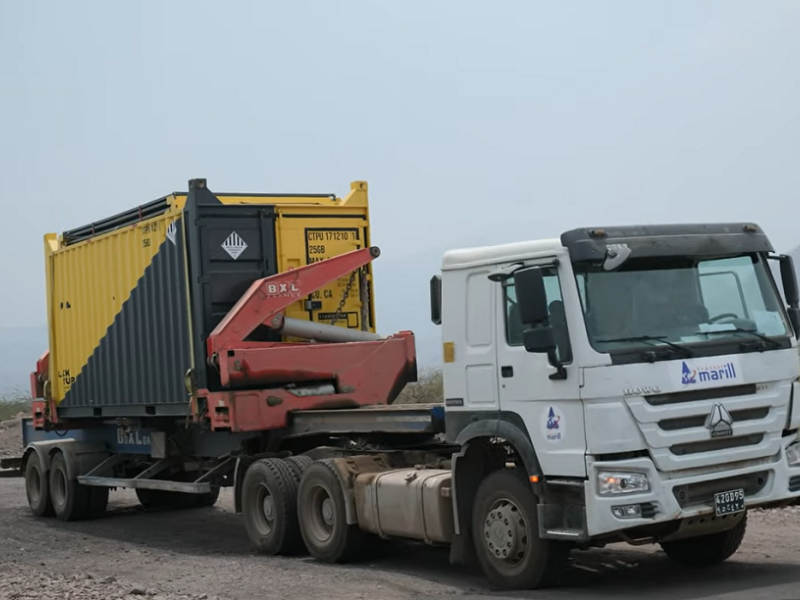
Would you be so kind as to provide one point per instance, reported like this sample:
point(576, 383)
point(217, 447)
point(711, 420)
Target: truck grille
point(674, 425)
point(696, 494)
point(697, 395)
point(794, 484)
point(718, 444)
point(748, 414)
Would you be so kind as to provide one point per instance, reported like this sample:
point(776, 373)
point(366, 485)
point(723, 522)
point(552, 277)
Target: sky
point(473, 122)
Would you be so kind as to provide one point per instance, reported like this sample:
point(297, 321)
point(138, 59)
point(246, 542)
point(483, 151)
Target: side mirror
point(538, 336)
point(531, 296)
point(540, 340)
point(789, 279)
point(532, 301)
point(436, 299)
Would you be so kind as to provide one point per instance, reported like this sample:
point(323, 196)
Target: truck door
point(529, 387)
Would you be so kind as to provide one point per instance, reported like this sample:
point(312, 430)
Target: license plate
point(728, 503)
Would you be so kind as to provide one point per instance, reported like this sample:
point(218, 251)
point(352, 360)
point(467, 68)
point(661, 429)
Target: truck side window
point(558, 319)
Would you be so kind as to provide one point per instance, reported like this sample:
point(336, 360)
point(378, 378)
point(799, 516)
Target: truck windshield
point(680, 303)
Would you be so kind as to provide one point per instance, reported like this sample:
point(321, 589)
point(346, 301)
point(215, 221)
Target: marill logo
point(552, 420)
point(552, 424)
point(718, 372)
point(688, 376)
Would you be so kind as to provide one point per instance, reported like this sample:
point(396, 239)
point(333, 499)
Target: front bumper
point(685, 495)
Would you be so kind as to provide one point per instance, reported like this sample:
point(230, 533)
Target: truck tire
point(37, 487)
point(323, 520)
point(299, 464)
point(70, 499)
point(269, 506)
point(505, 531)
point(707, 550)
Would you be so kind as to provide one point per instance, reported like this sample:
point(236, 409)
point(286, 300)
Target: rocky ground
point(10, 437)
point(204, 554)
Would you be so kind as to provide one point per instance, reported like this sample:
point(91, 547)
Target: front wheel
point(505, 531)
point(707, 550)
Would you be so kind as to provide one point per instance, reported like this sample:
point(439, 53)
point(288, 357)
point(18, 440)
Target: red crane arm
point(267, 298)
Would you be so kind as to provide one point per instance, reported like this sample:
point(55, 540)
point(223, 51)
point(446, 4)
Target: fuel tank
point(406, 503)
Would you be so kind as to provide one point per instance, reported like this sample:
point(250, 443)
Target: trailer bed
point(408, 419)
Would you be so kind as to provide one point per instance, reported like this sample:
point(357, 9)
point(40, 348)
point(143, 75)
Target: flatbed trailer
point(569, 420)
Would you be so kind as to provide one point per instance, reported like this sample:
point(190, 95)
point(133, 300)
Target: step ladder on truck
point(633, 384)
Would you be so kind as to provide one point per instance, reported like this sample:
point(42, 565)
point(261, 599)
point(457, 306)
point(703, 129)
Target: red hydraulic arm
point(265, 300)
point(272, 379)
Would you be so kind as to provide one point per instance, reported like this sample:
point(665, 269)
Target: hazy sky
point(473, 122)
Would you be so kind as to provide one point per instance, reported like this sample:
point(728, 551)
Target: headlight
point(613, 484)
point(793, 454)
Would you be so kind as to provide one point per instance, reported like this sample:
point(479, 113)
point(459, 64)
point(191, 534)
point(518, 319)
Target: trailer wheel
point(323, 522)
point(98, 501)
point(150, 498)
point(37, 487)
point(299, 464)
point(707, 550)
point(505, 531)
point(208, 499)
point(70, 499)
point(269, 504)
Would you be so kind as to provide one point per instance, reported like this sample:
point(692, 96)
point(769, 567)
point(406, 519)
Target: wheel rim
point(505, 533)
point(321, 514)
point(265, 515)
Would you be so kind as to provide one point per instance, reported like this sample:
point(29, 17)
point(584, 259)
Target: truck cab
point(644, 377)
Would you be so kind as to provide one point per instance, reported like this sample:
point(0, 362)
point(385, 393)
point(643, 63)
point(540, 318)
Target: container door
point(230, 247)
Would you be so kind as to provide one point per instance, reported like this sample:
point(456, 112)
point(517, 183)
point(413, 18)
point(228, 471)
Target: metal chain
point(338, 315)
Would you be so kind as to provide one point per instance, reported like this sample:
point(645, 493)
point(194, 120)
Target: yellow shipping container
point(131, 299)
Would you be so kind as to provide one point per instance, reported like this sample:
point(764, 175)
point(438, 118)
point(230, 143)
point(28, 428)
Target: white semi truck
point(635, 384)
point(645, 380)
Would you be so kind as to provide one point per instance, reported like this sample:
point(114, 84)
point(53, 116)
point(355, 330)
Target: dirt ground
point(204, 554)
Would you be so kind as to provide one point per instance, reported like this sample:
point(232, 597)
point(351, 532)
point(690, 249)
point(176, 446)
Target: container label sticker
point(553, 424)
point(322, 244)
point(172, 232)
point(234, 245)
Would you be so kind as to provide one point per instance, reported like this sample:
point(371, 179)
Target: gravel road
point(204, 554)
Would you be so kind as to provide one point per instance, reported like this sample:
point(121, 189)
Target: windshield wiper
point(770, 341)
point(647, 338)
